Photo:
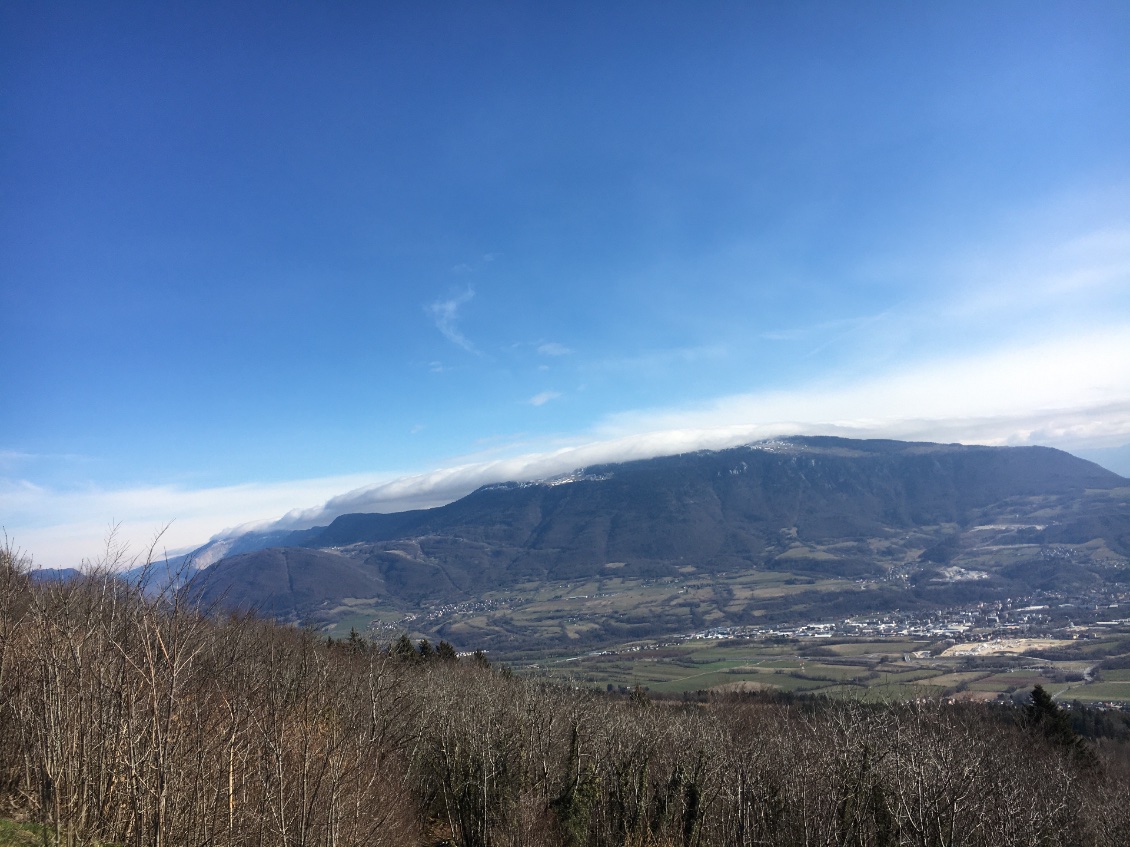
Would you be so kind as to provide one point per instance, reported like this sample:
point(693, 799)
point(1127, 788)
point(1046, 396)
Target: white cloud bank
point(1066, 392)
point(61, 528)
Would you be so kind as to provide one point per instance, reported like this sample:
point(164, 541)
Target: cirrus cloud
point(543, 397)
point(445, 314)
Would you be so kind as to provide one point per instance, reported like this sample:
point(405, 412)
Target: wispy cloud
point(473, 267)
point(1007, 384)
point(660, 360)
point(445, 313)
point(552, 348)
point(544, 397)
point(828, 331)
point(12, 456)
point(9, 458)
point(1087, 271)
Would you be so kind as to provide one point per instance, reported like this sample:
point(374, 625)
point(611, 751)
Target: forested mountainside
point(888, 512)
point(134, 720)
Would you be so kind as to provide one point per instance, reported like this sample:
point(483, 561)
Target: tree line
point(139, 720)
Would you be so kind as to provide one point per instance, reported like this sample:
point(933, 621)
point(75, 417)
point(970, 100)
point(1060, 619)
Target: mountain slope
point(287, 583)
point(824, 486)
point(814, 507)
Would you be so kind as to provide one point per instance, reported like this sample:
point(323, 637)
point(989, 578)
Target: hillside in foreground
point(132, 720)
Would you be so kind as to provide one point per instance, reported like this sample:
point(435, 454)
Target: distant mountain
point(811, 506)
point(286, 582)
point(55, 574)
point(153, 578)
point(161, 575)
point(248, 542)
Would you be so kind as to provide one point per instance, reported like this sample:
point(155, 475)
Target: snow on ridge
point(578, 475)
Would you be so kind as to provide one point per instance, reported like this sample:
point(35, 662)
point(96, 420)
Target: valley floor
point(1085, 664)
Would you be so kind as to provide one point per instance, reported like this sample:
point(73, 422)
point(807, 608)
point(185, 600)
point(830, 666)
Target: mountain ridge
point(814, 507)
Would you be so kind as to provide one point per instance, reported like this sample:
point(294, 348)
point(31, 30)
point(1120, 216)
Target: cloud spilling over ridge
point(1064, 392)
point(446, 484)
point(1067, 392)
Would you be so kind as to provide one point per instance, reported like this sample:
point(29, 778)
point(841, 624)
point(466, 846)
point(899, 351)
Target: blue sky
point(253, 256)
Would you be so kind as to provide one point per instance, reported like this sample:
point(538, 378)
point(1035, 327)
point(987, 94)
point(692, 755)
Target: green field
point(871, 668)
point(584, 611)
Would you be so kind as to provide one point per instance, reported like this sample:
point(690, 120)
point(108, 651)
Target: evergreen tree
point(446, 653)
point(356, 643)
point(1045, 717)
point(403, 649)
